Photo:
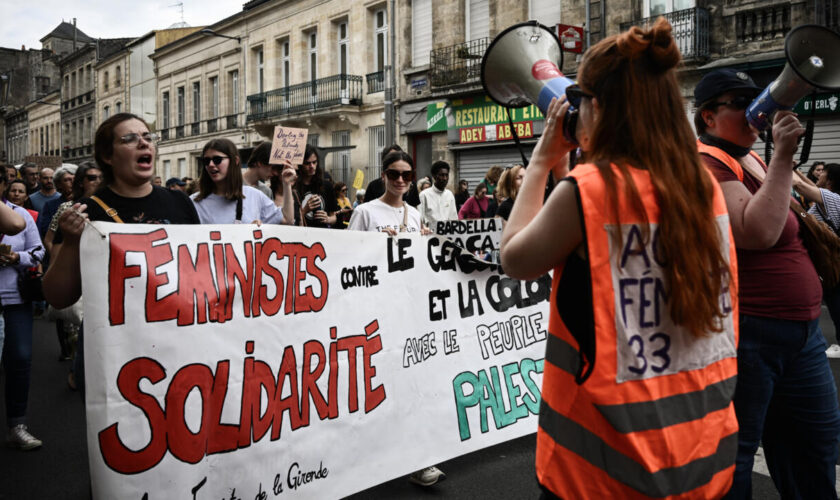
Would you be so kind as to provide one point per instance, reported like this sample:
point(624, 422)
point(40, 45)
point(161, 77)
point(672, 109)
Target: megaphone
point(813, 61)
point(519, 69)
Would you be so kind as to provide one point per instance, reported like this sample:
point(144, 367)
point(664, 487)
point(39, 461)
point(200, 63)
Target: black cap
point(720, 81)
point(174, 180)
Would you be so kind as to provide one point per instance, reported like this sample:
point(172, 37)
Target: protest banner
point(262, 362)
point(359, 179)
point(288, 144)
point(480, 237)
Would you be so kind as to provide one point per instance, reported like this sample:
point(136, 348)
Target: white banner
point(289, 362)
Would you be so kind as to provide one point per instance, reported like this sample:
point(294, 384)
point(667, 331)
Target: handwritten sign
point(288, 144)
point(359, 180)
point(232, 361)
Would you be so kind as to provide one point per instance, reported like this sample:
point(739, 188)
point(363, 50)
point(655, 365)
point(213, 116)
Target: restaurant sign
point(823, 104)
point(480, 119)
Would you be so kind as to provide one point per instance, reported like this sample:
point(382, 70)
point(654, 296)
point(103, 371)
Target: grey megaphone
point(519, 68)
point(813, 62)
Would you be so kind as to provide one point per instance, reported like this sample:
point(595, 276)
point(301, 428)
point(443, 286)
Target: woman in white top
point(223, 199)
point(389, 213)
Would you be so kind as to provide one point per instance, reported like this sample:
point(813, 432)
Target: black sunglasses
point(93, 177)
point(407, 175)
point(217, 160)
point(574, 94)
point(738, 103)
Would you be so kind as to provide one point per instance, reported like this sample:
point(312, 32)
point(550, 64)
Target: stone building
point(314, 65)
point(443, 111)
point(17, 135)
point(112, 83)
point(44, 117)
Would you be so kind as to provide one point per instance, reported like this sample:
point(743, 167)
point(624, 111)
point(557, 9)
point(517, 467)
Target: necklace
point(400, 220)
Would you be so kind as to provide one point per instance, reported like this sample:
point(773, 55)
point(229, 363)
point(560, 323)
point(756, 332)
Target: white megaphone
point(519, 69)
point(813, 61)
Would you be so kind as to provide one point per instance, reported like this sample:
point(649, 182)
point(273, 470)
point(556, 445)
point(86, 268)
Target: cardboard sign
point(288, 144)
point(235, 361)
point(359, 180)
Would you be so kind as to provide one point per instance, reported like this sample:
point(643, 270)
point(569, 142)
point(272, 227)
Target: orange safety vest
point(726, 159)
point(654, 419)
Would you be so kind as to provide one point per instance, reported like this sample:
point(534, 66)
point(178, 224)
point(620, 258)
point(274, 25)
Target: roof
point(65, 30)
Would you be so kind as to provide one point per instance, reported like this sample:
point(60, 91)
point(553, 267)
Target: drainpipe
point(390, 89)
point(588, 17)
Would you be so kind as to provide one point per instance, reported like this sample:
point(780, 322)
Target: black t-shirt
point(504, 209)
point(461, 198)
point(328, 203)
point(161, 206)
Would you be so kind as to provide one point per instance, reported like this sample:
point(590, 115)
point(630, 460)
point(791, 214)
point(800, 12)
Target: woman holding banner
point(222, 198)
point(640, 368)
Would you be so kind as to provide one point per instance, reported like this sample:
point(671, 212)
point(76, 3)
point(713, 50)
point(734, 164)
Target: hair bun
point(655, 43)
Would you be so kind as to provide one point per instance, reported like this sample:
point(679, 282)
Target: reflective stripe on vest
point(660, 425)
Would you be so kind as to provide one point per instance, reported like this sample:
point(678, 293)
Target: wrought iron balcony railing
point(765, 23)
point(690, 30)
point(318, 94)
point(375, 82)
point(457, 64)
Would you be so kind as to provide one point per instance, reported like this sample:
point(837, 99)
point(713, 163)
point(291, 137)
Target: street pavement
point(59, 469)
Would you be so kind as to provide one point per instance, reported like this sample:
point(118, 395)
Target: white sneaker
point(833, 351)
point(21, 439)
point(427, 476)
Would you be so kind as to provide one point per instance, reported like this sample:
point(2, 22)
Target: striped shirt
point(831, 201)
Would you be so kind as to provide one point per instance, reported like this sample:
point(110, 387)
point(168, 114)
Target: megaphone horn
point(519, 69)
point(812, 62)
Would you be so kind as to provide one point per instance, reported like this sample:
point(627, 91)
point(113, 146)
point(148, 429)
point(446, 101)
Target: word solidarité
point(208, 278)
point(169, 430)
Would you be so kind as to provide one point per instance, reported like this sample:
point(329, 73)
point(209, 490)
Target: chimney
point(75, 35)
point(23, 47)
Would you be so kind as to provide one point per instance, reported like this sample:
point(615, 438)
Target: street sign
point(571, 38)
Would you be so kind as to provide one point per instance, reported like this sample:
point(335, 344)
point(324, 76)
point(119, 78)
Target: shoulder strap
point(239, 210)
point(404, 224)
point(110, 212)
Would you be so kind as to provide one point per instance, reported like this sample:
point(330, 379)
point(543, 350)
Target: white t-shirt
point(216, 209)
point(437, 205)
point(377, 215)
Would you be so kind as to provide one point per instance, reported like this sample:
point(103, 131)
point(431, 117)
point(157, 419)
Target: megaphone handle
point(809, 133)
point(516, 137)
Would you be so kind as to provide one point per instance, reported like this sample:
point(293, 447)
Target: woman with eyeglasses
point(222, 197)
point(389, 213)
point(640, 361)
point(786, 397)
point(125, 151)
point(345, 207)
point(318, 205)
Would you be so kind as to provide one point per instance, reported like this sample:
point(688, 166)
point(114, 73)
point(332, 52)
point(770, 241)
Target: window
point(181, 106)
point(545, 11)
point(196, 102)
point(312, 139)
point(478, 19)
point(73, 91)
point(80, 85)
point(74, 141)
point(182, 167)
point(106, 113)
point(260, 72)
point(89, 77)
point(214, 97)
point(165, 111)
point(285, 63)
point(46, 143)
point(421, 32)
point(376, 143)
point(41, 148)
point(341, 159)
point(118, 107)
point(343, 41)
point(313, 57)
point(653, 8)
point(104, 81)
point(90, 130)
point(234, 92)
point(66, 88)
point(167, 169)
point(118, 77)
point(380, 33)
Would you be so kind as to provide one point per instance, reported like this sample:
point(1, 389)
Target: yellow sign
point(359, 181)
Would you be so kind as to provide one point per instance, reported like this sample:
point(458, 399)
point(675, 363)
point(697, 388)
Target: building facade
point(44, 117)
point(112, 85)
point(78, 104)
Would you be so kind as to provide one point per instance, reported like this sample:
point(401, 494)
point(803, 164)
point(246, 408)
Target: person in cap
point(785, 397)
point(176, 184)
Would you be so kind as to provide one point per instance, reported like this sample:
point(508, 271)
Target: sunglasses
point(217, 160)
point(93, 177)
point(574, 94)
point(407, 175)
point(738, 103)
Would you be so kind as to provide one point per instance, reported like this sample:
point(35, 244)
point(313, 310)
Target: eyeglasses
point(132, 139)
point(93, 177)
point(407, 175)
point(738, 103)
point(574, 94)
point(313, 163)
point(217, 160)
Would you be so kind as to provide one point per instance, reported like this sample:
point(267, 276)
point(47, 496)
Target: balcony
point(310, 96)
point(375, 82)
point(212, 125)
point(690, 30)
point(230, 122)
point(195, 128)
point(765, 23)
point(457, 64)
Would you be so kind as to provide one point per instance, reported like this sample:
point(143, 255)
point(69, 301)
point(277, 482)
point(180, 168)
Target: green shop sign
point(476, 112)
point(824, 104)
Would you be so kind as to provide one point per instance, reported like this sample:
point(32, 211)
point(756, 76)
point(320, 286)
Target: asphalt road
point(60, 468)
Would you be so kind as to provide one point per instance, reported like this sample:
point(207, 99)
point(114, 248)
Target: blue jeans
point(17, 361)
point(786, 399)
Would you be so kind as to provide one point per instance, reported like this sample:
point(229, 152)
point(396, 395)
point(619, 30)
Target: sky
point(25, 22)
